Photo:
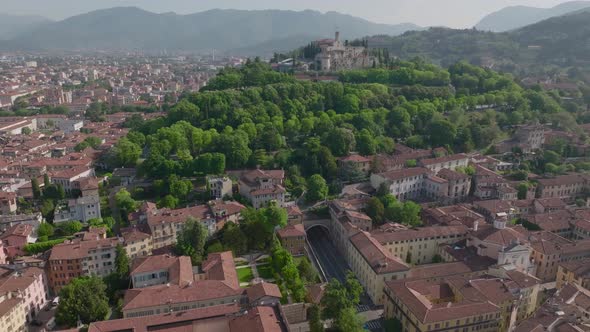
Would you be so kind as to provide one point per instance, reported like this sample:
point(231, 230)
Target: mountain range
point(562, 41)
point(515, 17)
point(131, 28)
point(13, 25)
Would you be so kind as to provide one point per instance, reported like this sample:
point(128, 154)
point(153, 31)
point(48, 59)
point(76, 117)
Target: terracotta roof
point(451, 175)
point(259, 319)
point(316, 292)
point(134, 235)
point(355, 158)
point(404, 173)
point(9, 304)
point(77, 249)
point(444, 159)
point(203, 290)
point(162, 321)
point(502, 237)
point(220, 266)
point(387, 236)
point(291, 231)
point(562, 180)
point(261, 290)
point(70, 173)
point(21, 230)
point(377, 257)
point(179, 269)
point(417, 295)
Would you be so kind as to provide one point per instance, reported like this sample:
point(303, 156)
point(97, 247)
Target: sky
point(451, 13)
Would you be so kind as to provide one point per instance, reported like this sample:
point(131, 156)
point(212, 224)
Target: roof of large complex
point(377, 257)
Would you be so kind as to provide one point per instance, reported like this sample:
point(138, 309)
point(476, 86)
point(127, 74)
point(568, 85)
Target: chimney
point(475, 225)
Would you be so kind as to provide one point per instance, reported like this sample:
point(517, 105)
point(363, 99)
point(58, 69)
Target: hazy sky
point(452, 13)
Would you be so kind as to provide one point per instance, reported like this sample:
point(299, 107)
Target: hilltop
point(515, 17)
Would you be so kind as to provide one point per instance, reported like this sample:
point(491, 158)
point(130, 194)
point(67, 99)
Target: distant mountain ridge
point(515, 17)
point(13, 25)
point(562, 41)
point(131, 28)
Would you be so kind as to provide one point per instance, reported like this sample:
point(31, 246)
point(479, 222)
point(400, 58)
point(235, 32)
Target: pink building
point(16, 237)
point(29, 284)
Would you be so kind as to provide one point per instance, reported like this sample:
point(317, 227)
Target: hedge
point(35, 248)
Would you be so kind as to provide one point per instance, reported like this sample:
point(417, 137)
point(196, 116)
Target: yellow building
point(373, 265)
point(137, 243)
point(12, 314)
point(418, 245)
point(574, 272)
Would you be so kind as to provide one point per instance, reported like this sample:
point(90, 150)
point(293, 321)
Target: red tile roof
point(261, 290)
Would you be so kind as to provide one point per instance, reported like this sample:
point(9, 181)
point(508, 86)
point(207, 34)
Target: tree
point(442, 132)
point(46, 181)
point(45, 229)
point(36, 188)
point(168, 201)
point(121, 263)
point(26, 131)
point(365, 143)
point(348, 320)
point(180, 188)
point(317, 188)
point(375, 210)
point(190, 241)
point(124, 201)
point(522, 190)
point(306, 271)
point(315, 319)
point(338, 297)
point(125, 153)
point(71, 227)
point(82, 299)
point(234, 239)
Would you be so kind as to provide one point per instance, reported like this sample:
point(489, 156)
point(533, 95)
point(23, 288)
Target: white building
point(220, 187)
point(82, 208)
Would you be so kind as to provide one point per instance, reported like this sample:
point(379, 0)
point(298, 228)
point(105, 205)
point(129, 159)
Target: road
point(328, 256)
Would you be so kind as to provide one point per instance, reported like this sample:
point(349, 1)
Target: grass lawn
point(265, 271)
point(245, 274)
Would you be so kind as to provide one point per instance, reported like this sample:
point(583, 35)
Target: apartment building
point(67, 177)
point(220, 187)
point(82, 208)
point(164, 224)
point(8, 202)
point(161, 269)
point(549, 250)
point(418, 245)
point(574, 272)
point(404, 184)
point(261, 187)
point(292, 238)
point(216, 284)
point(459, 303)
point(76, 258)
point(12, 313)
point(373, 265)
point(430, 306)
point(137, 243)
point(567, 187)
point(28, 284)
point(451, 162)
